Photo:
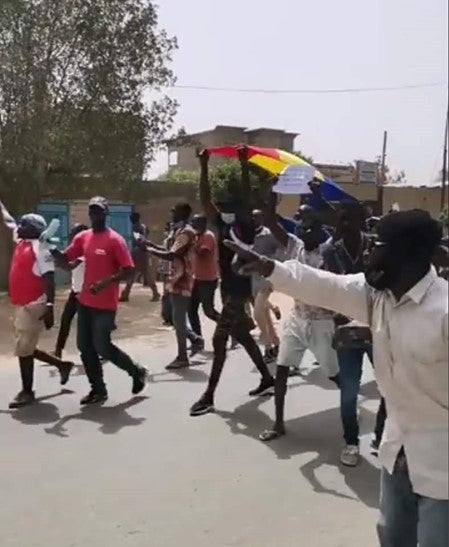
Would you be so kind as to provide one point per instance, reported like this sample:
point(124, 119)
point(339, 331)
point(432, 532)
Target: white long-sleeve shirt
point(410, 343)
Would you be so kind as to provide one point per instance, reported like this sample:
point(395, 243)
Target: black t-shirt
point(232, 284)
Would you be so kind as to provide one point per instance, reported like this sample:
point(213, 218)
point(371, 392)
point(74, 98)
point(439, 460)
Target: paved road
point(139, 472)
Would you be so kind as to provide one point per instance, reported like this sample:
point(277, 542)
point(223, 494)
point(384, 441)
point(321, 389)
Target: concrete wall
point(407, 197)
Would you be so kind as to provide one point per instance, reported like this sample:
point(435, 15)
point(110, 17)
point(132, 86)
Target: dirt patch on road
point(139, 317)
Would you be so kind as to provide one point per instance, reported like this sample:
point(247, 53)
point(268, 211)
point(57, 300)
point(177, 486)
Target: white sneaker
point(350, 455)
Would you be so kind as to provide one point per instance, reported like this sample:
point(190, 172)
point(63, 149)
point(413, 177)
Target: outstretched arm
point(345, 294)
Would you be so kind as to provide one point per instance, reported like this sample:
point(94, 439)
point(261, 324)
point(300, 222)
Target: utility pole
point(444, 174)
point(381, 179)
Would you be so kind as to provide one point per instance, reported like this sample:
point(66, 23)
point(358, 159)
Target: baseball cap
point(99, 201)
point(36, 221)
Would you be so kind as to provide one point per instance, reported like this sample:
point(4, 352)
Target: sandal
point(270, 435)
point(177, 364)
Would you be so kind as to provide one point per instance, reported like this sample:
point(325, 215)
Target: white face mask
point(228, 218)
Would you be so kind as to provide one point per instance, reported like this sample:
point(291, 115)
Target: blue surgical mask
point(228, 218)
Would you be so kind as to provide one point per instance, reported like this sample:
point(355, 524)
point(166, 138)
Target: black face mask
point(382, 271)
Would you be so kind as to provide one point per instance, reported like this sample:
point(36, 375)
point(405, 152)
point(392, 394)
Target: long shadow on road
point(39, 413)
point(318, 433)
point(110, 418)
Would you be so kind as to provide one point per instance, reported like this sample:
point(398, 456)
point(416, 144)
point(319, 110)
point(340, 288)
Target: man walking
point(32, 292)
point(143, 267)
point(233, 223)
point(205, 274)
point(306, 327)
point(71, 306)
point(345, 254)
point(405, 304)
point(107, 263)
point(180, 283)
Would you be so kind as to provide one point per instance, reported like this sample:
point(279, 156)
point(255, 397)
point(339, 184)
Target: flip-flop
point(270, 435)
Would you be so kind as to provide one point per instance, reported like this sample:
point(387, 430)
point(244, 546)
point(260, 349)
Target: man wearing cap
point(32, 292)
point(107, 263)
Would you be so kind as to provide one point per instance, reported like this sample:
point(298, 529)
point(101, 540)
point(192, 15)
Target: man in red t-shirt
point(107, 262)
point(205, 273)
point(32, 293)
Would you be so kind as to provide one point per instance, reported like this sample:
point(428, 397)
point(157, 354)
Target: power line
point(309, 91)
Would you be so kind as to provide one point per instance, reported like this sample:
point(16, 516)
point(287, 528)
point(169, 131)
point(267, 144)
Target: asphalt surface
point(140, 472)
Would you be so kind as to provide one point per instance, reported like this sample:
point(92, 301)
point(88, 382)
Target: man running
point(233, 223)
point(32, 292)
point(107, 263)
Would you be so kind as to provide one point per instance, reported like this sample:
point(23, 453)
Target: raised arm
point(205, 194)
point(243, 158)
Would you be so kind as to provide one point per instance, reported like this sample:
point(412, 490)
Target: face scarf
point(383, 273)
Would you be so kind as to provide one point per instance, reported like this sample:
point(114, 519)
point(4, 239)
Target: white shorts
point(315, 335)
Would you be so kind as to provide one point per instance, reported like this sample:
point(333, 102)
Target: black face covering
point(382, 271)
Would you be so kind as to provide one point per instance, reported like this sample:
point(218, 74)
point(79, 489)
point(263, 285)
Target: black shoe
point(64, 370)
point(335, 379)
point(196, 347)
point(23, 398)
point(94, 398)
point(140, 381)
point(266, 387)
point(294, 371)
point(374, 445)
point(203, 406)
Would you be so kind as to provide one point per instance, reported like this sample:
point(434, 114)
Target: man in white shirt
point(70, 308)
point(406, 306)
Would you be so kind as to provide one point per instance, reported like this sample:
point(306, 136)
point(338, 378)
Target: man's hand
point(48, 318)
point(315, 187)
point(250, 262)
point(203, 156)
point(98, 287)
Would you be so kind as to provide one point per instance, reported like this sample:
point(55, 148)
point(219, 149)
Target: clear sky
point(291, 44)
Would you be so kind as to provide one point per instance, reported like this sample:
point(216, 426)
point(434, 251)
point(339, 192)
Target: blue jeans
point(350, 362)
point(180, 307)
point(406, 518)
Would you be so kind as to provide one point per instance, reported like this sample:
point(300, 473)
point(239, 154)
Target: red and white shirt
point(30, 262)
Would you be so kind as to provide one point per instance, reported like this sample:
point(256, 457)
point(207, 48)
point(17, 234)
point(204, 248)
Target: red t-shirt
point(205, 263)
point(104, 254)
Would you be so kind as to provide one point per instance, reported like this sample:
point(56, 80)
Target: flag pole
point(444, 173)
point(382, 178)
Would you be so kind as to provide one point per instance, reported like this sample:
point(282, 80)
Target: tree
point(73, 78)
point(226, 180)
point(398, 177)
point(308, 159)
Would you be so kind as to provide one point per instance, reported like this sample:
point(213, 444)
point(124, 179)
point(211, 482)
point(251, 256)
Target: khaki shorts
point(28, 327)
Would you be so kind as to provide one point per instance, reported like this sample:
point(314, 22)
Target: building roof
point(429, 184)
point(244, 129)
